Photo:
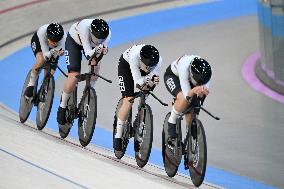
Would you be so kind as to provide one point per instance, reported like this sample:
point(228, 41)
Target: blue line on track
point(43, 169)
point(17, 65)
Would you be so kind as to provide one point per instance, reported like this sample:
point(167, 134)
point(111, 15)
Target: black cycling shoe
point(172, 130)
point(117, 144)
point(61, 116)
point(29, 92)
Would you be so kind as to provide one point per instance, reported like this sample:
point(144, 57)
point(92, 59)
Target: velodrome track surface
point(244, 141)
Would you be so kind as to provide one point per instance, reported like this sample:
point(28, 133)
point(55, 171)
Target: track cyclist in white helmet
point(186, 76)
point(89, 37)
point(47, 42)
point(140, 64)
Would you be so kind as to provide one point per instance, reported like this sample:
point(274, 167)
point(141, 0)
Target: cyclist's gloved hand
point(53, 53)
point(156, 79)
point(147, 79)
point(98, 49)
point(105, 50)
point(61, 52)
point(200, 91)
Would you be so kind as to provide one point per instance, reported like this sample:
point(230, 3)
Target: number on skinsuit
point(121, 83)
point(67, 57)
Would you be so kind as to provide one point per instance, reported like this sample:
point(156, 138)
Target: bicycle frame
point(47, 66)
point(194, 106)
point(87, 77)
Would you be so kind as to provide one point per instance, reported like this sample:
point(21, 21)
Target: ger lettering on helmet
point(149, 55)
point(99, 29)
point(54, 32)
point(200, 71)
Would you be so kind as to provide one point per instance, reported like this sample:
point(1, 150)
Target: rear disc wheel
point(26, 105)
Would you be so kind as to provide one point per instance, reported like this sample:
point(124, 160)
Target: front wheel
point(26, 105)
point(71, 113)
point(87, 116)
point(45, 100)
point(197, 152)
point(171, 154)
point(143, 135)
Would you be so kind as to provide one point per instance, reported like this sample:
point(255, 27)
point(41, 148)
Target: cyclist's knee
point(180, 102)
point(126, 102)
point(72, 75)
point(180, 96)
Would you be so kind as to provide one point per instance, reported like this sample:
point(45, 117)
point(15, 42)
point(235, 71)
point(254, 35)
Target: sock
point(119, 128)
point(173, 117)
point(32, 79)
point(64, 99)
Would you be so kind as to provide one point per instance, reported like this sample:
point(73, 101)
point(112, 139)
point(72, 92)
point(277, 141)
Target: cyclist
point(47, 43)
point(186, 76)
point(90, 36)
point(140, 64)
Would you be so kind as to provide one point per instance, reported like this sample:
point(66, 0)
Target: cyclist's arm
point(156, 70)
point(61, 43)
point(134, 66)
point(182, 68)
point(107, 40)
point(41, 33)
point(105, 44)
point(84, 33)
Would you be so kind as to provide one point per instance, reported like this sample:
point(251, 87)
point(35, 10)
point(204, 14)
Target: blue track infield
point(15, 67)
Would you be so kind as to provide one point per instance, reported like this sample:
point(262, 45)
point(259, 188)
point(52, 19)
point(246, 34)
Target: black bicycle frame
point(87, 77)
point(194, 106)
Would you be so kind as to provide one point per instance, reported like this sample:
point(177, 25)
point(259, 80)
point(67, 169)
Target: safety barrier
point(270, 68)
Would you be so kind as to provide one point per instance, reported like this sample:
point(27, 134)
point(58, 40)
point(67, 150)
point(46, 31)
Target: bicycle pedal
point(186, 167)
point(132, 132)
point(171, 146)
point(185, 162)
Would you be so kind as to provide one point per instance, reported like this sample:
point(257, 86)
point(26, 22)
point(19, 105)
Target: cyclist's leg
point(126, 85)
point(173, 86)
point(73, 60)
point(35, 45)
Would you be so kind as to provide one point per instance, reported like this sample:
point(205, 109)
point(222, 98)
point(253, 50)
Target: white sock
point(119, 128)
point(173, 117)
point(64, 99)
point(32, 79)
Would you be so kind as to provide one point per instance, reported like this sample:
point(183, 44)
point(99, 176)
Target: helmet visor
point(144, 67)
point(192, 80)
point(95, 40)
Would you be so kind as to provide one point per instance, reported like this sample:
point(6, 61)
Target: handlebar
point(82, 77)
point(143, 92)
point(195, 102)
